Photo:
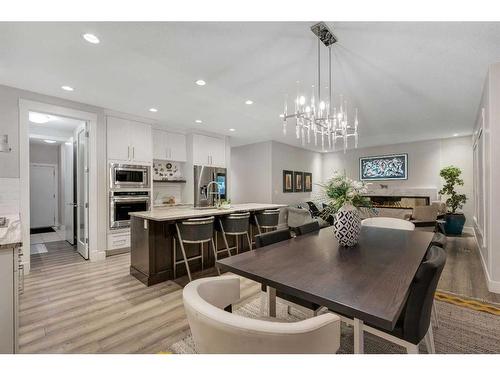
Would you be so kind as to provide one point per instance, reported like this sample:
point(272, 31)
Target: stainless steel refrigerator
point(208, 183)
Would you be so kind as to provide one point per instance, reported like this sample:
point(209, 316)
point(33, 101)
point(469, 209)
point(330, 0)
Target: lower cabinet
point(11, 284)
point(118, 240)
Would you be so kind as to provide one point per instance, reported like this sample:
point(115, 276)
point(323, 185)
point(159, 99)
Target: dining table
point(367, 283)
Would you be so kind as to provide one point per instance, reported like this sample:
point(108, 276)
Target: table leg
point(271, 302)
point(358, 336)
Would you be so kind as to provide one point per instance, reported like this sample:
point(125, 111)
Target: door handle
point(128, 152)
point(133, 152)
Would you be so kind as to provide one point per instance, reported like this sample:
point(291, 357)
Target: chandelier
point(319, 119)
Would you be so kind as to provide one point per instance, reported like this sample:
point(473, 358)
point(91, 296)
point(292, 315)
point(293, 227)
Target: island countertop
point(179, 213)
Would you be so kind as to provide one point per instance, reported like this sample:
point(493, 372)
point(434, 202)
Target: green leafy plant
point(451, 176)
point(341, 190)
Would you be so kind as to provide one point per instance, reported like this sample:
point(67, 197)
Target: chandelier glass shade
point(317, 119)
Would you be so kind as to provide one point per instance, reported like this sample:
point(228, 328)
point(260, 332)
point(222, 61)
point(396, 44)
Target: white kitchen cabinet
point(209, 151)
point(129, 141)
point(169, 146)
point(118, 240)
point(10, 286)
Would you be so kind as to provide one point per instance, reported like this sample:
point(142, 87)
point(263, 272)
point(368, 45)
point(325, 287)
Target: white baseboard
point(492, 285)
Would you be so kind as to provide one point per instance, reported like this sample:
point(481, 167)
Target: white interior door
point(82, 191)
point(69, 199)
point(42, 195)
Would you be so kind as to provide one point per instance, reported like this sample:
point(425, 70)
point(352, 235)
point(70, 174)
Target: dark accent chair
point(313, 209)
point(270, 238)
point(307, 228)
point(413, 324)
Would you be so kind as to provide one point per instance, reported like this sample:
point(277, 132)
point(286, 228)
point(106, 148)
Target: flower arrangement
point(340, 191)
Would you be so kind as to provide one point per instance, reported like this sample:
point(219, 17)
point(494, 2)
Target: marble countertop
point(11, 235)
point(178, 213)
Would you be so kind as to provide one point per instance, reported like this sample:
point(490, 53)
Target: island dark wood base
point(152, 251)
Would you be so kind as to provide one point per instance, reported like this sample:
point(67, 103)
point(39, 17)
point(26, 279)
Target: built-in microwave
point(122, 203)
point(129, 176)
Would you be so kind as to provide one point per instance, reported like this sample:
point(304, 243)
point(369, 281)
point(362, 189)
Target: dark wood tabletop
point(369, 282)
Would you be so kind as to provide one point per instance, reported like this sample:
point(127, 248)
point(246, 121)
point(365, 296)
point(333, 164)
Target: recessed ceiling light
point(68, 143)
point(201, 82)
point(249, 102)
point(455, 135)
point(198, 121)
point(153, 110)
point(91, 38)
point(282, 115)
point(232, 130)
point(49, 141)
point(67, 88)
point(39, 118)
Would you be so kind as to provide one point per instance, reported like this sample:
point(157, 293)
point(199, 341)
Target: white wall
point(425, 159)
point(285, 157)
point(487, 194)
point(251, 173)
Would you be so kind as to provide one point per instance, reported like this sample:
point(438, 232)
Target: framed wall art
point(384, 167)
point(287, 181)
point(307, 182)
point(298, 182)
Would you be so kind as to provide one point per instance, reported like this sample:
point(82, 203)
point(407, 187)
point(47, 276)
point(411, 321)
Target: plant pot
point(454, 223)
point(347, 226)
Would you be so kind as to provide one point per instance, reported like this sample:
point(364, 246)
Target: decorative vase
point(454, 223)
point(347, 226)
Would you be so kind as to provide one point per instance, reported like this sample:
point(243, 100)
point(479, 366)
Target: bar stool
point(234, 225)
point(267, 219)
point(197, 230)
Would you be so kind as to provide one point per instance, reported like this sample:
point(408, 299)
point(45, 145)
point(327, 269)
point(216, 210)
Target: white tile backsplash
point(9, 196)
point(164, 190)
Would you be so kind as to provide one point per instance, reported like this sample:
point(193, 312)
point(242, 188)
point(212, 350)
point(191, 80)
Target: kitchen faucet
point(208, 193)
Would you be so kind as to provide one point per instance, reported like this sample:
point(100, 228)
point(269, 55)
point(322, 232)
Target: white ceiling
point(57, 128)
point(411, 81)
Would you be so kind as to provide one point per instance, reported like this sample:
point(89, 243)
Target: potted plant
point(454, 221)
point(344, 201)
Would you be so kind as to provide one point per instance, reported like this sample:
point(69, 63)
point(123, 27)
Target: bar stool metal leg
point(185, 260)
point(249, 242)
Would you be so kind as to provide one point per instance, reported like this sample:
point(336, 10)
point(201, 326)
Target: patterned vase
point(347, 226)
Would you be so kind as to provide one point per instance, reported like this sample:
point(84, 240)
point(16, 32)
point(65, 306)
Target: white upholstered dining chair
point(388, 222)
point(215, 330)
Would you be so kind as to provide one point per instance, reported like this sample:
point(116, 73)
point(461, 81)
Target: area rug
point(41, 230)
point(461, 330)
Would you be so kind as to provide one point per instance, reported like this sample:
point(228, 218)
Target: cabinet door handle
point(133, 152)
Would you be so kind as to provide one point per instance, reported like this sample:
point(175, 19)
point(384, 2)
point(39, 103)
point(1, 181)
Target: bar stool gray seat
point(267, 219)
point(236, 224)
point(197, 230)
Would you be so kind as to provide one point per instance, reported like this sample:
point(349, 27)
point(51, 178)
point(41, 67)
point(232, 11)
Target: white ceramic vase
point(347, 226)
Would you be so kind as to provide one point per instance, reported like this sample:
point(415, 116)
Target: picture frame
point(383, 167)
point(308, 182)
point(287, 181)
point(298, 182)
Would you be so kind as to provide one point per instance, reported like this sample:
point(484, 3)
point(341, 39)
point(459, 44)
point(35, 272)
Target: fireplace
point(399, 202)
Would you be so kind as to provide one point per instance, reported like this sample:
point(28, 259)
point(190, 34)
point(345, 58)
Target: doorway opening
point(59, 204)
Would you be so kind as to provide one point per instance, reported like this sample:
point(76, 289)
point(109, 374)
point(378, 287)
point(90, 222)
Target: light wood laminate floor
point(71, 305)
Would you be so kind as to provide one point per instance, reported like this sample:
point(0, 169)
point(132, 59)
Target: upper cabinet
point(129, 141)
point(169, 146)
point(209, 151)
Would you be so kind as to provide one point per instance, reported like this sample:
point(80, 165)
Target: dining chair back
point(307, 228)
point(439, 240)
point(388, 222)
point(416, 316)
point(269, 238)
point(215, 330)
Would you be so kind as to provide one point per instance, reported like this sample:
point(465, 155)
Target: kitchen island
point(152, 240)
